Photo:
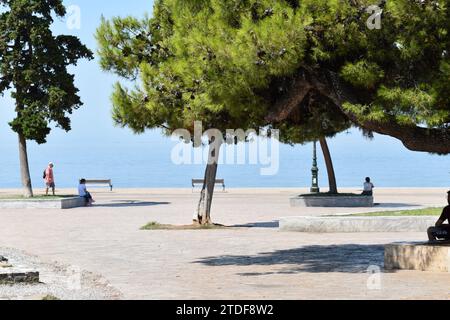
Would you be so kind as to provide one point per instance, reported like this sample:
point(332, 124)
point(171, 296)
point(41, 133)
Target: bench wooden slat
point(100, 181)
point(201, 181)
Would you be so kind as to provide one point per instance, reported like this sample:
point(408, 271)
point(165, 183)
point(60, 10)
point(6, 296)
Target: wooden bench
point(98, 182)
point(202, 181)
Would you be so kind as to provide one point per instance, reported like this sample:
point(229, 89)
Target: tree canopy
point(310, 67)
point(33, 62)
point(33, 65)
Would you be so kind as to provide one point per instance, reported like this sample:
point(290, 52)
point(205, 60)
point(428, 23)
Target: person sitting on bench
point(441, 231)
point(368, 188)
point(82, 191)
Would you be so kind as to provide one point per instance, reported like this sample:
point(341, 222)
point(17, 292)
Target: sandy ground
point(253, 260)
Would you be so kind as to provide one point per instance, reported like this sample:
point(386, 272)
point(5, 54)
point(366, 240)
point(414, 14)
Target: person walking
point(49, 179)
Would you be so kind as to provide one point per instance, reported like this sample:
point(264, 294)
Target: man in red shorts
point(49, 179)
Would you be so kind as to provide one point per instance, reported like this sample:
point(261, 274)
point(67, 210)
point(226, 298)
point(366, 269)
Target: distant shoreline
point(262, 190)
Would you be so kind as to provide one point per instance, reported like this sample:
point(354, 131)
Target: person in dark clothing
point(368, 188)
point(441, 231)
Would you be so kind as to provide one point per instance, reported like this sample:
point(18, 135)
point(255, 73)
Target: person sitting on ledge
point(441, 231)
point(368, 188)
point(82, 191)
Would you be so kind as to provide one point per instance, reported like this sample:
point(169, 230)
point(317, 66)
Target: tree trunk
point(330, 167)
point(24, 167)
point(206, 195)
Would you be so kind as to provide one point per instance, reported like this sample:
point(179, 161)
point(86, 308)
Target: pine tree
point(141, 51)
point(311, 68)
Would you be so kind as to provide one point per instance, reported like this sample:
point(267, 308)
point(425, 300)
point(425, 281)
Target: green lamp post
point(315, 172)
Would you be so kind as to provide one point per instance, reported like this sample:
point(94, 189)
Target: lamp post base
point(315, 190)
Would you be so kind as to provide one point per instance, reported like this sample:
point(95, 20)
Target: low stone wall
point(332, 201)
point(11, 273)
point(75, 202)
point(418, 256)
point(64, 203)
point(349, 224)
point(15, 275)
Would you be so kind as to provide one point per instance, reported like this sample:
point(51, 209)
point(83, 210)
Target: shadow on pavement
point(269, 225)
point(349, 258)
point(130, 203)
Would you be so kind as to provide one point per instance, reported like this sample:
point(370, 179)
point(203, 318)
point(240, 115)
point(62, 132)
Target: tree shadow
point(349, 258)
point(130, 203)
point(268, 225)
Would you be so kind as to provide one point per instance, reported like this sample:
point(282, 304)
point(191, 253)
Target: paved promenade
point(253, 260)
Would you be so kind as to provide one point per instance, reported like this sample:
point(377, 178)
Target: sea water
point(146, 162)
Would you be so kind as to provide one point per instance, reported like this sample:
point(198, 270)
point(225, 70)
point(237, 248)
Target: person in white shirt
point(83, 193)
point(368, 188)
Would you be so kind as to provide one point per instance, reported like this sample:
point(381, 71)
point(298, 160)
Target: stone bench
point(100, 182)
point(200, 182)
point(418, 256)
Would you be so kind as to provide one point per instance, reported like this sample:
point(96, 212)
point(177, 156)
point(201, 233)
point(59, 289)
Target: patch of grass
point(157, 226)
point(152, 226)
point(50, 297)
point(402, 213)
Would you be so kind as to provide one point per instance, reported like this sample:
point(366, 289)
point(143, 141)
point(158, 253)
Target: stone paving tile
point(238, 263)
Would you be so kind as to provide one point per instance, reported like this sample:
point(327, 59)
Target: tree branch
point(415, 138)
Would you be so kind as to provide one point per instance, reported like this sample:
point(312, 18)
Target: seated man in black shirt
point(441, 231)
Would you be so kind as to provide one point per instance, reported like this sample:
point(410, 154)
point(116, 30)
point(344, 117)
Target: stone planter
point(417, 256)
point(63, 203)
point(324, 201)
point(351, 224)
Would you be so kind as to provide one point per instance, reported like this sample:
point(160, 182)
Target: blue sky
point(95, 147)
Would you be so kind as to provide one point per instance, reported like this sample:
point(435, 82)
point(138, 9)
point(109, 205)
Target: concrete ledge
point(14, 275)
point(10, 274)
point(417, 256)
point(64, 203)
point(349, 224)
point(331, 201)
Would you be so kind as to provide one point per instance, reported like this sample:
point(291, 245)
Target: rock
point(3, 259)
